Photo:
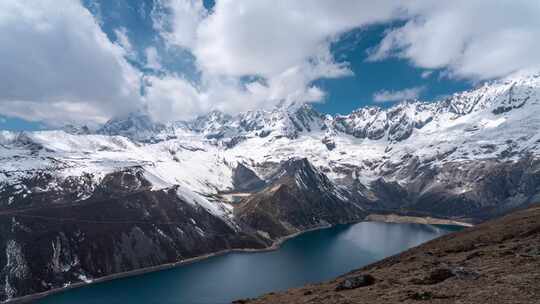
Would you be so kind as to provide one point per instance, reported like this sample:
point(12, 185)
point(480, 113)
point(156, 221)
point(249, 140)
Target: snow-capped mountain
point(137, 126)
point(497, 121)
point(223, 181)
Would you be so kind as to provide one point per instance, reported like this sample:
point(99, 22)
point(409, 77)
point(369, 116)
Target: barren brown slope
point(495, 262)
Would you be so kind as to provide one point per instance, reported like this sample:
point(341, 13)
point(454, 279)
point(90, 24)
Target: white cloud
point(391, 96)
point(152, 58)
point(95, 9)
point(123, 40)
point(426, 74)
point(472, 39)
point(285, 44)
point(171, 98)
point(267, 37)
point(177, 20)
point(58, 66)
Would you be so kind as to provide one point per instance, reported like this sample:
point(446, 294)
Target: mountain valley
point(78, 205)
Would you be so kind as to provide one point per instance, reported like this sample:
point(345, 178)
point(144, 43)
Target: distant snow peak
point(370, 156)
point(496, 120)
point(136, 125)
point(77, 130)
point(291, 119)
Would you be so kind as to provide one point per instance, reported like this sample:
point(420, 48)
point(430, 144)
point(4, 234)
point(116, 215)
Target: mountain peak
point(76, 130)
point(290, 119)
point(135, 125)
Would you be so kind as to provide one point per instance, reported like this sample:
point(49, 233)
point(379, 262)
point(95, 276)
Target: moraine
point(311, 257)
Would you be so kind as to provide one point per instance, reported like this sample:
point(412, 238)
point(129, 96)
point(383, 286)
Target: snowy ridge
point(496, 121)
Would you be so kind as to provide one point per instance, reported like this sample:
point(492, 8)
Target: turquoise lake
point(311, 257)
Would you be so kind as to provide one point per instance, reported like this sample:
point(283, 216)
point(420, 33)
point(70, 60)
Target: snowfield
point(499, 120)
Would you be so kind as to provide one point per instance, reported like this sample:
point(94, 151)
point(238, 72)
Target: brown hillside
point(495, 262)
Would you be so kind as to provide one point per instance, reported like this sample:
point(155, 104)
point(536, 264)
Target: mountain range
point(80, 205)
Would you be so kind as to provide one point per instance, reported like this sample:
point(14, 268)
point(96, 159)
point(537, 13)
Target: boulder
point(465, 274)
point(356, 282)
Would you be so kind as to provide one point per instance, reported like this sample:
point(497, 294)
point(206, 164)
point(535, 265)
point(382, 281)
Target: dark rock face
point(329, 143)
point(81, 230)
point(230, 143)
point(307, 119)
point(123, 226)
point(244, 179)
point(395, 124)
point(78, 130)
point(38, 190)
point(299, 198)
point(477, 189)
point(137, 126)
point(516, 97)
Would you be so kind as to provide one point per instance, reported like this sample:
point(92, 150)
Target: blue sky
point(179, 58)
point(343, 94)
point(392, 74)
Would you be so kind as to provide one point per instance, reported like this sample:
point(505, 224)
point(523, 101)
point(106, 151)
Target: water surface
point(312, 257)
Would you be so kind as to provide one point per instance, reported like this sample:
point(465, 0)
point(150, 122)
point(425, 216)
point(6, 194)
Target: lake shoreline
point(404, 219)
point(274, 246)
point(495, 249)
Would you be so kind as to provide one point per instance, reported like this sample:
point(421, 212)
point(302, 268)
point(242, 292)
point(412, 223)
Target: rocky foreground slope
point(77, 205)
point(495, 262)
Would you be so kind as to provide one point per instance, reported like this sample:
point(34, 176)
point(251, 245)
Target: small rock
point(329, 143)
point(421, 296)
point(465, 274)
point(531, 252)
point(438, 275)
point(308, 292)
point(356, 282)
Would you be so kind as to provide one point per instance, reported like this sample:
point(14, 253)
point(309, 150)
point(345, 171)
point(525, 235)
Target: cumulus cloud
point(471, 39)
point(171, 98)
point(392, 96)
point(152, 58)
point(57, 65)
point(267, 37)
point(233, 94)
point(177, 20)
point(426, 74)
point(123, 40)
point(283, 45)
